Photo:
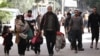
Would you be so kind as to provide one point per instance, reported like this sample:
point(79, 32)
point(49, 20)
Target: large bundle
point(60, 41)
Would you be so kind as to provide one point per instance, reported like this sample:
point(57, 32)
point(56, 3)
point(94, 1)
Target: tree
point(22, 5)
point(37, 1)
point(4, 16)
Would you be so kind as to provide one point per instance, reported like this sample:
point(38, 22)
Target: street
point(64, 52)
point(33, 10)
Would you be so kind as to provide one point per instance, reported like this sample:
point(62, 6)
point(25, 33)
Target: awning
point(70, 3)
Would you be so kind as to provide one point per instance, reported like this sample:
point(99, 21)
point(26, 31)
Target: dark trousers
point(76, 36)
point(7, 49)
point(29, 44)
point(50, 39)
point(22, 46)
point(37, 48)
point(95, 33)
point(70, 36)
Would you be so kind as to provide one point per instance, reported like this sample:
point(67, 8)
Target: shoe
point(21, 55)
point(97, 48)
point(81, 49)
point(91, 46)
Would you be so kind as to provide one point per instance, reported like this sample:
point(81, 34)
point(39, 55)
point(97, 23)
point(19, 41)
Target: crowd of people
point(26, 27)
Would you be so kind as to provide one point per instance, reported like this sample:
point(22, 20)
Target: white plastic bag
point(60, 42)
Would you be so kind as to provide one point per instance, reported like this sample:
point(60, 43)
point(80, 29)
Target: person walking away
point(50, 25)
point(38, 21)
point(85, 18)
point(21, 28)
point(62, 25)
point(7, 35)
point(76, 26)
point(59, 15)
point(93, 23)
point(31, 21)
point(68, 34)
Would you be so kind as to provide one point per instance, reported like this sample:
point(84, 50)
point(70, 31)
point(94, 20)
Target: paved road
point(64, 52)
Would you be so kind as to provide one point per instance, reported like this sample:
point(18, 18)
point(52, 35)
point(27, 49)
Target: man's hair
point(94, 7)
point(29, 11)
point(69, 13)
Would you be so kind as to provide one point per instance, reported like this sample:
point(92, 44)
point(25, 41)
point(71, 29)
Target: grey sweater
point(76, 23)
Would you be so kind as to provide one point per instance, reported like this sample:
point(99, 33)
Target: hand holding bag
point(38, 39)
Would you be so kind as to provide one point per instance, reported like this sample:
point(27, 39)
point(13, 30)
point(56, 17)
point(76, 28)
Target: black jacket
point(7, 39)
point(45, 20)
point(94, 20)
point(67, 20)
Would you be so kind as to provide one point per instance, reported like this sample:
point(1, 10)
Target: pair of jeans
point(50, 39)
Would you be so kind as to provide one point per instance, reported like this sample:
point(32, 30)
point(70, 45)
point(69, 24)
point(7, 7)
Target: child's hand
point(29, 41)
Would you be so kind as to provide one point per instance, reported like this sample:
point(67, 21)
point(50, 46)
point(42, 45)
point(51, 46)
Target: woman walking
point(21, 28)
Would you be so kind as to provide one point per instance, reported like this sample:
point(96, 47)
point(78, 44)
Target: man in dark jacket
point(31, 22)
point(93, 22)
point(50, 25)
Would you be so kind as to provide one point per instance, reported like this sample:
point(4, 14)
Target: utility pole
point(62, 9)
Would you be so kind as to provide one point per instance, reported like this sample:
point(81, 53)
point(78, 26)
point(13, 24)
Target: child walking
point(7, 35)
point(37, 42)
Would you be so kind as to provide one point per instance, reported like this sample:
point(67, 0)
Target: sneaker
point(91, 46)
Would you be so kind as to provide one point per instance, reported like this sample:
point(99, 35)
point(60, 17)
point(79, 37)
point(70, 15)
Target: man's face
point(76, 12)
point(49, 8)
point(29, 14)
point(94, 10)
